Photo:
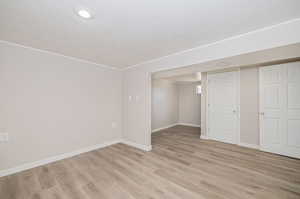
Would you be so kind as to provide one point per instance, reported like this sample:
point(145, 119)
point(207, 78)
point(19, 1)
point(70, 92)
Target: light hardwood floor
point(179, 166)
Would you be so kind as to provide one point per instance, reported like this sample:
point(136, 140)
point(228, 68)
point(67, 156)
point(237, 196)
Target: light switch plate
point(3, 137)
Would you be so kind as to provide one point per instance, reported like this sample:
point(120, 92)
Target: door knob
point(234, 111)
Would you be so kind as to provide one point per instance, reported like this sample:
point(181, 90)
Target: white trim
point(259, 105)
point(164, 127)
point(204, 137)
point(148, 108)
point(206, 106)
point(239, 104)
point(253, 146)
point(175, 124)
point(34, 164)
point(136, 145)
point(58, 54)
point(189, 124)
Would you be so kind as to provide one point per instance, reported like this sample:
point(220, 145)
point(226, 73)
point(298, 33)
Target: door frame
point(208, 136)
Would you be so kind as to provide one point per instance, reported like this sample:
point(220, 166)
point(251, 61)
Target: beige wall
point(174, 103)
point(203, 102)
point(136, 123)
point(189, 104)
point(164, 103)
point(51, 104)
point(249, 99)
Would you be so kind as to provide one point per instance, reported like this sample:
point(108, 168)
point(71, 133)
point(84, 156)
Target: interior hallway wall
point(189, 104)
point(203, 102)
point(249, 99)
point(174, 103)
point(164, 103)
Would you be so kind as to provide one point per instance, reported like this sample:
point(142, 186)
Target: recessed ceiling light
point(84, 14)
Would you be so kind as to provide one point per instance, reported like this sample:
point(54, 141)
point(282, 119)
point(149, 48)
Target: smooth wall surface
point(203, 103)
point(136, 94)
point(50, 104)
point(189, 104)
point(249, 99)
point(164, 103)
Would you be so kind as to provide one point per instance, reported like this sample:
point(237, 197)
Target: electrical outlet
point(113, 125)
point(3, 137)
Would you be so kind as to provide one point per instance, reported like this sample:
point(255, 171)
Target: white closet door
point(280, 109)
point(292, 110)
point(223, 122)
point(271, 113)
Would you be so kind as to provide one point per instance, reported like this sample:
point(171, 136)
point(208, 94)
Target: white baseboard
point(169, 126)
point(204, 137)
point(162, 128)
point(38, 163)
point(253, 146)
point(136, 145)
point(188, 124)
point(34, 164)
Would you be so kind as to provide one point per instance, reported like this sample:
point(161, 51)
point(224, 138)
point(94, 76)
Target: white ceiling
point(128, 32)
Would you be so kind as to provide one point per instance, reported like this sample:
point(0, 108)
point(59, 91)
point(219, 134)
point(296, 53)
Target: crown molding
point(60, 55)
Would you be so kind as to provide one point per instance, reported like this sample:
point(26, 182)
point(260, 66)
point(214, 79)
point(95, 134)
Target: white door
point(271, 103)
point(280, 109)
point(223, 108)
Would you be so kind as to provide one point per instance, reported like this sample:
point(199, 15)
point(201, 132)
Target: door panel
point(293, 109)
point(271, 96)
point(293, 137)
point(271, 125)
point(270, 107)
point(280, 109)
point(223, 107)
point(294, 96)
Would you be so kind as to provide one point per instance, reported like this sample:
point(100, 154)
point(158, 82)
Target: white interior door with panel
point(292, 110)
point(271, 113)
point(223, 107)
point(280, 109)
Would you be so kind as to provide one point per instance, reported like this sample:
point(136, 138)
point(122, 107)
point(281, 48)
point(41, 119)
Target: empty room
point(178, 99)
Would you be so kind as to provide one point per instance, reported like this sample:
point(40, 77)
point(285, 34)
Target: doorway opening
point(176, 106)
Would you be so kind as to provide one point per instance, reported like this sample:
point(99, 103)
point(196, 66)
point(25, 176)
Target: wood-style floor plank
point(181, 165)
